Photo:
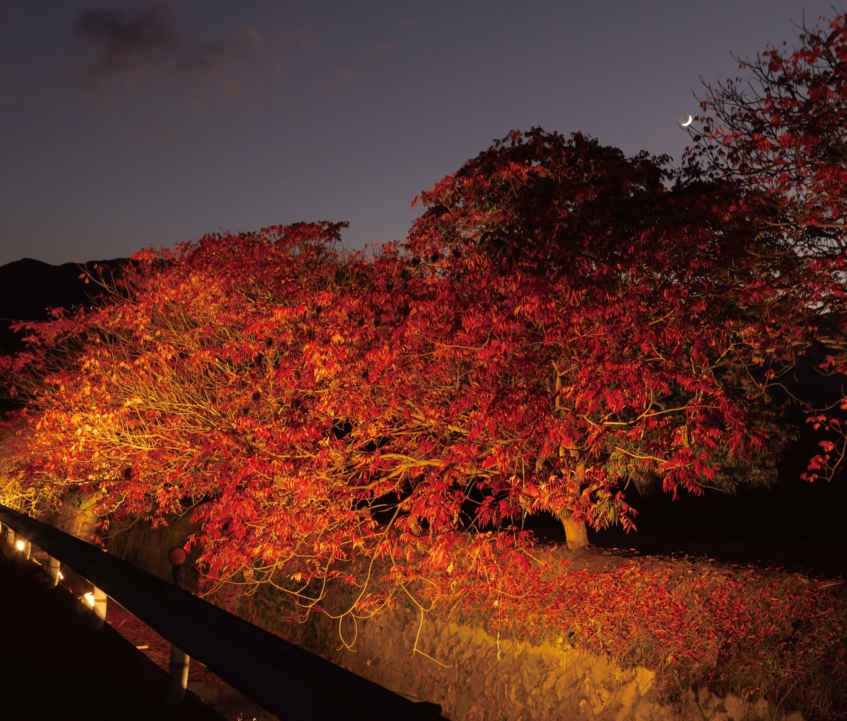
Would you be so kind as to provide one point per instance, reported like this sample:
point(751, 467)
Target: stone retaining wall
point(473, 675)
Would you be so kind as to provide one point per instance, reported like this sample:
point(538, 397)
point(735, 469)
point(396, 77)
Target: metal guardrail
point(289, 682)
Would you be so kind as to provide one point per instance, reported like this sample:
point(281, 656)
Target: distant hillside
point(29, 289)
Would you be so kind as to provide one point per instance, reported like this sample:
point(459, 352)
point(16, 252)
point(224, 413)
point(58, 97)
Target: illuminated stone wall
point(466, 670)
point(473, 676)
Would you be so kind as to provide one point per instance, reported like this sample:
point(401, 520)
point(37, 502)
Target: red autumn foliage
point(315, 407)
point(751, 632)
point(779, 133)
point(562, 323)
point(780, 130)
point(613, 328)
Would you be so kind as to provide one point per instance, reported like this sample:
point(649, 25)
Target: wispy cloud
point(305, 39)
point(337, 80)
point(149, 45)
point(149, 54)
point(352, 71)
point(129, 43)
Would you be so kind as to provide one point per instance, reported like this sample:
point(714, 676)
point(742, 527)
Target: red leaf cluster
point(559, 325)
point(779, 135)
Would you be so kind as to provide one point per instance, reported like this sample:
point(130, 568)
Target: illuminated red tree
point(212, 379)
point(779, 133)
point(559, 324)
point(605, 328)
point(258, 381)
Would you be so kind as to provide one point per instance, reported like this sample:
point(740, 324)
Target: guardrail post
point(177, 676)
point(53, 571)
point(9, 548)
point(99, 610)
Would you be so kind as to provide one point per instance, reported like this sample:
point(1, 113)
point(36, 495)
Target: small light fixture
point(20, 545)
point(61, 576)
point(89, 599)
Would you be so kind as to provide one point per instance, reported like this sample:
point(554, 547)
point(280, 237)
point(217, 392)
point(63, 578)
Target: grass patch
point(755, 633)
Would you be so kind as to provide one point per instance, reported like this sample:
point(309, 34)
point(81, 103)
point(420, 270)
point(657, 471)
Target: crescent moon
point(687, 122)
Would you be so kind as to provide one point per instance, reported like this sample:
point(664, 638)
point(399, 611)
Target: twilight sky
point(125, 125)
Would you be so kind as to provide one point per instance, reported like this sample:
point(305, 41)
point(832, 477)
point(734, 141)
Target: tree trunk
point(77, 516)
point(576, 534)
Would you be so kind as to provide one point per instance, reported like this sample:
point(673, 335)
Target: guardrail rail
point(288, 681)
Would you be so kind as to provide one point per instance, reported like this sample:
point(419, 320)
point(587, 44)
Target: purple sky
point(124, 125)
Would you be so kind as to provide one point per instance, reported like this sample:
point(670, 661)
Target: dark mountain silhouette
point(29, 289)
